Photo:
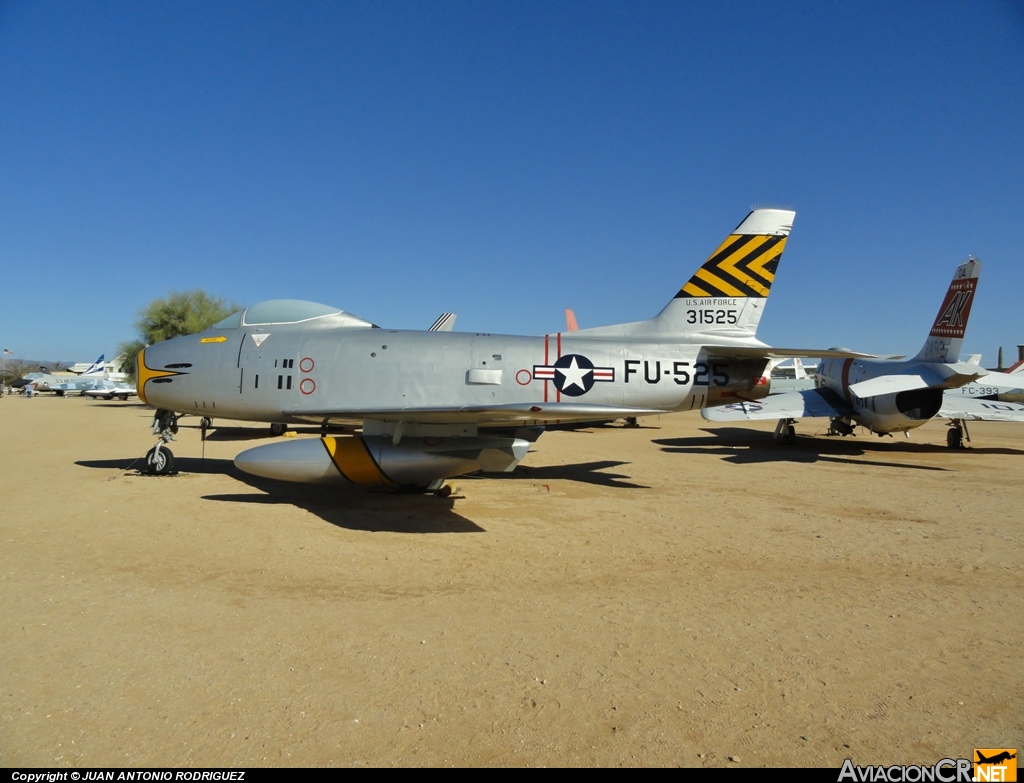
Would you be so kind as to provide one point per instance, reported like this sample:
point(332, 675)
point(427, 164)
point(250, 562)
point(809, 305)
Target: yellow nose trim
point(144, 373)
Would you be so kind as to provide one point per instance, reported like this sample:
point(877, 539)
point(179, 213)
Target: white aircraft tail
point(570, 321)
point(947, 334)
point(444, 323)
point(726, 296)
point(96, 368)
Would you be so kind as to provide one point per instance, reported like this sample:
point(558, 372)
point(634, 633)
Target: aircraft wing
point(767, 352)
point(1003, 380)
point(810, 403)
point(976, 409)
point(513, 414)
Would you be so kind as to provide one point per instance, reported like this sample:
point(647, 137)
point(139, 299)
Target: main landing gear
point(839, 426)
point(785, 432)
point(159, 459)
point(956, 434)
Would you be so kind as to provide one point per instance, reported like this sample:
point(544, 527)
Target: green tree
point(16, 368)
point(180, 313)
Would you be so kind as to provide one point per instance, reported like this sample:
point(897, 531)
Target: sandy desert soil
point(678, 594)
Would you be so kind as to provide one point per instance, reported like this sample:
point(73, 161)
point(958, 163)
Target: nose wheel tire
point(159, 463)
point(277, 429)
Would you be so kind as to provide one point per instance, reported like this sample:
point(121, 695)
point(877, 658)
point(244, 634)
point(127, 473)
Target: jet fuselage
point(294, 372)
point(881, 413)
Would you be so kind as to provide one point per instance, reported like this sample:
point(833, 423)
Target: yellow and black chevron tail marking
point(744, 265)
point(352, 458)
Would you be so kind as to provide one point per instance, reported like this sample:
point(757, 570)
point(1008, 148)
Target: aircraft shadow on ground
point(584, 472)
point(118, 404)
point(355, 509)
point(743, 446)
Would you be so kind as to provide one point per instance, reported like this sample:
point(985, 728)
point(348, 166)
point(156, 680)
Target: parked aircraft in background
point(45, 381)
point(779, 383)
point(108, 390)
point(981, 390)
point(87, 380)
point(444, 323)
point(434, 405)
point(894, 395)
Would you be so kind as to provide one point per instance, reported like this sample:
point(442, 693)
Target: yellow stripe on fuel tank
point(351, 456)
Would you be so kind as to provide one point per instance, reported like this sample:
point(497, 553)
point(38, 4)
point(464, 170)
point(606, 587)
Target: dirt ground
point(679, 594)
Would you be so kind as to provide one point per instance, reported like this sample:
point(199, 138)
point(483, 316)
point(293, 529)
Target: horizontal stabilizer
point(974, 409)
point(1001, 380)
point(936, 376)
point(892, 384)
point(767, 352)
point(810, 403)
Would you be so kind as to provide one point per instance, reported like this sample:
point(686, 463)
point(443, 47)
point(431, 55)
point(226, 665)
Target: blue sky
point(508, 160)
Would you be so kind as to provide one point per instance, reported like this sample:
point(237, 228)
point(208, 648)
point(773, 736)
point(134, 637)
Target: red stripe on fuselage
point(845, 379)
point(558, 393)
point(546, 364)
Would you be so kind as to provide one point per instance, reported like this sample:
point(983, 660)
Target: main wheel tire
point(159, 463)
point(954, 439)
point(277, 429)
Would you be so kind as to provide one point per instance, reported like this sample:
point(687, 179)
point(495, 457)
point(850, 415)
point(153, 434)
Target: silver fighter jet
point(433, 405)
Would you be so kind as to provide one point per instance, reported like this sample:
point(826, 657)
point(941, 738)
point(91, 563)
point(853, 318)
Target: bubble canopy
point(287, 311)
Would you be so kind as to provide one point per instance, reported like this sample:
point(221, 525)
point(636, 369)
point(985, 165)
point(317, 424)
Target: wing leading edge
point(481, 415)
point(809, 403)
point(976, 409)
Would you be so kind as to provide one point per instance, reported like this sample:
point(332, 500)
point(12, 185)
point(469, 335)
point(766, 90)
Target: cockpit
point(290, 311)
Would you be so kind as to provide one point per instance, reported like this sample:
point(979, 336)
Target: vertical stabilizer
point(444, 323)
point(570, 321)
point(726, 296)
point(947, 334)
point(97, 367)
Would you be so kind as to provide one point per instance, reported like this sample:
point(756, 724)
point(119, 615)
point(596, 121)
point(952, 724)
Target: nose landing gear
point(159, 459)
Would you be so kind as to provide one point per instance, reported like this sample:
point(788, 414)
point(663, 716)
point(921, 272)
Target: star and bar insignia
point(573, 374)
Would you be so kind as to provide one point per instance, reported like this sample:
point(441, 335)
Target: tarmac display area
point(678, 594)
